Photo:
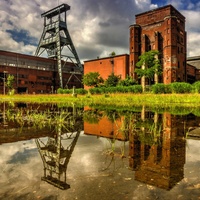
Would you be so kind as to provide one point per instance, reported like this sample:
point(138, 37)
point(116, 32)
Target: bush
point(158, 88)
point(112, 80)
point(95, 90)
point(196, 87)
point(118, 89)
point(60, 91)
point(135, 89)
point(81, 91)
point(128, 81)
point(168, 89)
point(181, 87)
point(161, 88)
point(70, 91)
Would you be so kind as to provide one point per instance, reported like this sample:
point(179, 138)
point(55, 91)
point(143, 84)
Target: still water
point(53, 152)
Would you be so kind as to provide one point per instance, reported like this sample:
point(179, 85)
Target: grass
point(118, 100)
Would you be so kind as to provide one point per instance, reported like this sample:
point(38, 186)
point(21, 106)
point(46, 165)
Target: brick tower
point(161, 29)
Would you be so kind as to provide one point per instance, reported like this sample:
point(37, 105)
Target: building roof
point(193, 58)
point(195, 61)
point(29, 57)
point(26, 56)
point(108, 57)
point(160, 8)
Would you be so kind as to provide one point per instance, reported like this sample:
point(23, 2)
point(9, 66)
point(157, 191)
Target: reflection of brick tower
point(162, 29)
point(161, 164)
point(55, 37)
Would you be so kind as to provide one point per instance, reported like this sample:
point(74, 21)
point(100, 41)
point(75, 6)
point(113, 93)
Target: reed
point(119, 99)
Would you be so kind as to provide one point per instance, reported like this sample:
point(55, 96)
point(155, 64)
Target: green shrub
point(81, 91)
point(112, 80)
point(112, 89)
point(64, 91)
point(181, 87)
point(135, 89)
point(118, 89)
point(168, 89)
point(95, 90)
point(60, 91)
point(158, 88)
point(196, 87)
point(70, 91)
point(128, 81)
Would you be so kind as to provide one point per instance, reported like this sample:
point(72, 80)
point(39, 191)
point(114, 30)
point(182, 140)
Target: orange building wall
point(106, 66)
point(105, 128)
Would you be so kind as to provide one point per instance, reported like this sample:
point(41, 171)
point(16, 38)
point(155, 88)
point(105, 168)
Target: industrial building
point(161, 29)
point(35, 74)
point(193, 65)
point(118, 65)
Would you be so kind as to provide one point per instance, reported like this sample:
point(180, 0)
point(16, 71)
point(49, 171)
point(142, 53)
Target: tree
point(112, 80)
point(10, 83)
point(112, 54)
point(128, 81)
point(148, 66)
point(92, 79)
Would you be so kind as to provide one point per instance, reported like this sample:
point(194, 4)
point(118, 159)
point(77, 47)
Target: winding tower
point(56, 37)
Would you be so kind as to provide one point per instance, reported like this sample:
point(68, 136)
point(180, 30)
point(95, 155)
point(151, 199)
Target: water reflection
point(160, 160)
point(50, 126)
point(157, 143)
point(120, 152)
point(55, 156)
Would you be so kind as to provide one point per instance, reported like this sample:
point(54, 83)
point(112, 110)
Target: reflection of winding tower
point(55, 37)
point(56, 158)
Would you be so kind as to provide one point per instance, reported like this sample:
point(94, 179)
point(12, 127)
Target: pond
point(49, 151)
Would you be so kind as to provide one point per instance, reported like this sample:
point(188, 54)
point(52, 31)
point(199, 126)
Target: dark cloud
point(96, 27)
point(89, 52)
point(112, 17)
point(113, 39)
point(104, 24)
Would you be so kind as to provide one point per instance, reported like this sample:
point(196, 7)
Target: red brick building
point(161, 29)
point(119, 65)
point(193, 62)
point(191, 73)
point(36, 74)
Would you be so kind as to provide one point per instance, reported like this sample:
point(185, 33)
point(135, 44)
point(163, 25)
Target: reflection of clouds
point(14, 173)
point(7, 151)
point(84, 157)
point(86, 160)
point(192, 150)
point(22, 157)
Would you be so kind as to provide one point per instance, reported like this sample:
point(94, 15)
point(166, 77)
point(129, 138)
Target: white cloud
point(193, 39)
point(193, 32)
point(96, 27)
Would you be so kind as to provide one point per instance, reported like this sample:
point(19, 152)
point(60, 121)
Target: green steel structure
point(55, 38)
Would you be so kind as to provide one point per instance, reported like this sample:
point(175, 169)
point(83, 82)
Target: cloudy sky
point(97, 27)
